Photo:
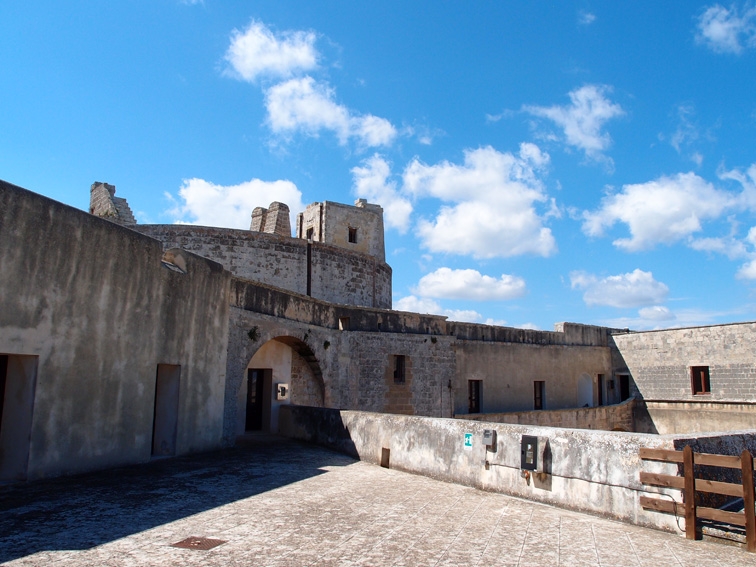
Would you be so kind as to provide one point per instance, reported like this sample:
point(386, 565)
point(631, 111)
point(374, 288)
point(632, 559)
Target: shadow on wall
point(322, 426)
point(81, 512)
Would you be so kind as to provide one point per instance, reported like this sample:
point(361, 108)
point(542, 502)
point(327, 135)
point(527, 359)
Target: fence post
point(746, 465)
point(689, 493)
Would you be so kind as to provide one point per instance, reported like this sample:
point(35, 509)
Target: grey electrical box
point(282, 391)
point(529, 453)
point(489, 439)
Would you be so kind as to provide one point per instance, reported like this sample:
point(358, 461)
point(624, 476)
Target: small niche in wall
point(343, 323)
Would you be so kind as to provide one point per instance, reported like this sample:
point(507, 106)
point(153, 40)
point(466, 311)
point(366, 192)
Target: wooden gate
point(689, 484)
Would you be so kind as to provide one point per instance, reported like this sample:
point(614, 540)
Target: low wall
point(617, 417)
point(590, 471)
point(669, 417)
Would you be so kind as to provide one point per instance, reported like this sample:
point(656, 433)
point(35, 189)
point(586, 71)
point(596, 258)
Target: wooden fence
point(689, 484)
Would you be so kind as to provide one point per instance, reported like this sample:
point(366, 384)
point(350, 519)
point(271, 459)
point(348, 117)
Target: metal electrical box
point(282, 391)
point(529, 453)
point(489, 439)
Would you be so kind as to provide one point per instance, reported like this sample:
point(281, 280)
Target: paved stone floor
point(279, 503)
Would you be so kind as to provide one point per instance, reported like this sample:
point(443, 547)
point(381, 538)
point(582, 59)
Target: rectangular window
point(538, 390)
point(352, 235)
point(699, 380)
point(343, 323)
point(473, 389)
point(399, 369)
point(310, 232)
point(601, 389)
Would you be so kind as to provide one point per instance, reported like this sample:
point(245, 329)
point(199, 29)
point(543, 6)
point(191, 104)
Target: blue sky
point(537, 162)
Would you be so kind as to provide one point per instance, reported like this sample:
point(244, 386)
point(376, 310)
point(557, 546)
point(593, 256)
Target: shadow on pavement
point(84, 511)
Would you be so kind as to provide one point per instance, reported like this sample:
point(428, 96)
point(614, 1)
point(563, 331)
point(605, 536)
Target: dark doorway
point(624, 381)
point(18, 378)
point(165, 423)
point(255, 385)
point(601, 389)
point(473, 396)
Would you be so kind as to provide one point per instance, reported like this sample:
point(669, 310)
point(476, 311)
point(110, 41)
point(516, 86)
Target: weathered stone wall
point(430, 371)
point(331, 222)
point(660, 361)
point(507, 372)
point(617, 417)
point(693, 417)
point(589, 471)
point(336, 275)
point(94, 303)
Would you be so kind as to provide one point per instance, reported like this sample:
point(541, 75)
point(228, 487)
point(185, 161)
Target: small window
point(399, 369)
point(343, 323)
point(538, 390)
point(310, 232)
point(473, 388)
point(699, 380)
point(352, 235)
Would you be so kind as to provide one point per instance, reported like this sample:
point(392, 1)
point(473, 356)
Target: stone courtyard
point(275, 502)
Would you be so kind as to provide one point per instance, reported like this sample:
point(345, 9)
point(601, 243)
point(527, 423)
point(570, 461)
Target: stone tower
point(358, 228)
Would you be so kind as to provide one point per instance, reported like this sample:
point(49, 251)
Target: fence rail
point(689, 485)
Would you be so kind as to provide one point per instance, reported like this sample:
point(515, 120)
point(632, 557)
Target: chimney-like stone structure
point(273, 220)
point(104, 204)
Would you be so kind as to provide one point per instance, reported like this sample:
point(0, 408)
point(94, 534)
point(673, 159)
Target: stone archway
point(280, 360)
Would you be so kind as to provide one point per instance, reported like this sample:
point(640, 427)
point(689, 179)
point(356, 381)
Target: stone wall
point(356, 228)
point(589, 471)
point(94, 305)
point(335, 275)
point(660, 362)
point(618, 417)
point(507, 372)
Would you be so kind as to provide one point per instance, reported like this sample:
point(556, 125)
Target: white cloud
point(748, 270)
point(586, 18)
point(727, 30)
point(493, 198)
point(662, 211)
point(204, 203)
point(687, 131)
point(634, 289)
point(371, 181)
point(657, 313)
point(583, 119)
point(469, 284)
point(307, 106)
point(678, 318)
point(257, 52)
point(747, 180)
point(424, 305)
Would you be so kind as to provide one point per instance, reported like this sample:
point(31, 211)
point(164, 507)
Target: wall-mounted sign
point(468, 441)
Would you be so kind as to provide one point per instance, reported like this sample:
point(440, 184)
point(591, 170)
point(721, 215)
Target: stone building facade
point(127, 343)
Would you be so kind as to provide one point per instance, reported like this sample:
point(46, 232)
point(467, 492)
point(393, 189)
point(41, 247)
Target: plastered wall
point(590, 471)
point(93, 302)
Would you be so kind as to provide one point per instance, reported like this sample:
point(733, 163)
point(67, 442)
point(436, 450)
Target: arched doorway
point(286, 362)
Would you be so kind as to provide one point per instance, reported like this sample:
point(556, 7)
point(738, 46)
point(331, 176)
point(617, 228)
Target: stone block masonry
point(660, 362)
point(335, 274)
